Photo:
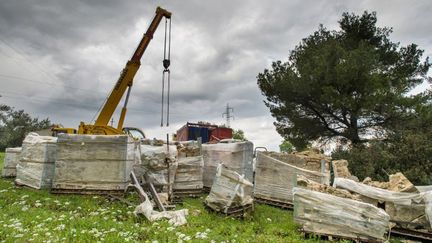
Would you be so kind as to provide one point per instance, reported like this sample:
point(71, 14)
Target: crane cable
point(166, 72)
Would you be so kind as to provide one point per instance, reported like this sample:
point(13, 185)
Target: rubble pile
point(318, 187)
point(340, 169)
point(397, 183)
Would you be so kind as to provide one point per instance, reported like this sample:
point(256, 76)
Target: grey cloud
point(219, 47)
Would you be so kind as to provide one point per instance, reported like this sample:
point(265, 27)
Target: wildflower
point(170, 228)
point(25, 208)
point(18, 235)
point(269, 219)
point(67, 203)
point(25, 196)
point(48, 234)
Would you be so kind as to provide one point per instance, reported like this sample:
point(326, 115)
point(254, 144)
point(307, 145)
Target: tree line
point(15, 124)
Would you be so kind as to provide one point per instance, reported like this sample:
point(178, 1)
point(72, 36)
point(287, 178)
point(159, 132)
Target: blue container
point(195, 132)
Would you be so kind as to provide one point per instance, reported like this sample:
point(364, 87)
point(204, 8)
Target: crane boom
point(124, 82)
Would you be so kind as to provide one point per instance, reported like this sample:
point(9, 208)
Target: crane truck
point(125, 81)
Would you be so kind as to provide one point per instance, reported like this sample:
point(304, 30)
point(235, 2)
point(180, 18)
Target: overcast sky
point(60, 59)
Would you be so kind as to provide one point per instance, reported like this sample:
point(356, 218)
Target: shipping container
point(220, 133)
point(192, 131)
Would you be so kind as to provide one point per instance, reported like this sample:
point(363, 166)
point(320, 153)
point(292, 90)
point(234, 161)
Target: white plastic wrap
point(189, 174)
point(236, 156)
point(175, 218)
point(401, 206)
point(93, 162)
point(275, 179)
point(160, 164)
point(11, 160)
point(323, 213)
point(229, 189)
point(36, 166)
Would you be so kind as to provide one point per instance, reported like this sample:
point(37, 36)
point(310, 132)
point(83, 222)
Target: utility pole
point(227, 114)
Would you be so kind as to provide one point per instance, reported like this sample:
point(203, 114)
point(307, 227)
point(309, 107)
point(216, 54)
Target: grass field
point(33, 215)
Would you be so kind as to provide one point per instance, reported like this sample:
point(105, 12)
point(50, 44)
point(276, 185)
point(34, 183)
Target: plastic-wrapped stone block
point(11, 160)
point(325, 214)
point(236, 156)
point(36, 166)
point(276, 174)
point(189, 174)
point(93, 163)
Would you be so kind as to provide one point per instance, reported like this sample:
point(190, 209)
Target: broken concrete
point(397, 183)
point(318, 187)
point(11, 159)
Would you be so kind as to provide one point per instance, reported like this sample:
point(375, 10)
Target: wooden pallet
point(411, 234)
point(194, 193)
point(87, 192)
point(331, 237)
point(276, 203)
point(235, 211)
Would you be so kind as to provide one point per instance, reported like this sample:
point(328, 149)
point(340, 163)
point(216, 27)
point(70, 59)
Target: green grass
point(37, 215)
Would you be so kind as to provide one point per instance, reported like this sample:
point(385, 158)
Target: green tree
point(239, 134)
point(344, 85)
point(407, 149)
point(286, 147)
point(15, 124)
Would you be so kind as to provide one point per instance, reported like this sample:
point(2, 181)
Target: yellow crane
point(125, 81)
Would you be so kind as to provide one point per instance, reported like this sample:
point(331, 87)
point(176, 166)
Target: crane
point(123, 84)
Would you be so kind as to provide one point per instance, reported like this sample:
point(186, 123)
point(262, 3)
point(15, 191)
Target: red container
point(182, 133)
point(220, 133)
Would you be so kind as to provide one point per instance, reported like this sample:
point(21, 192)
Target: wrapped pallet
point(93, 163)
point(229, 190)
point(11, 160)
point(36, 165)
point(235, 155)
point(276, 175)
point(189, 175)
point(411, 210)
point(325, 214)
point(159, 163)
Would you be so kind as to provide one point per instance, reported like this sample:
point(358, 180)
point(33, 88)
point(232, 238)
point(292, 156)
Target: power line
point(227, 114)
